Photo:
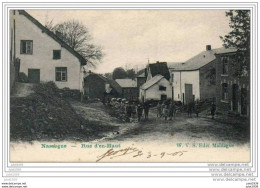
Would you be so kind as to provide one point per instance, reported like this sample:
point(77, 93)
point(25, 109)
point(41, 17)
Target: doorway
point(188, 93)
point(34, 75)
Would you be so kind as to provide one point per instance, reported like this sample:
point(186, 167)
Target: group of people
point(194, 107)
point(166, 110)
point(132, 110)
point(128, 110)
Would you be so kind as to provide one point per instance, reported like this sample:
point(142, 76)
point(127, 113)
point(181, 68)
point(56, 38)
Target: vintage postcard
point(127, 85)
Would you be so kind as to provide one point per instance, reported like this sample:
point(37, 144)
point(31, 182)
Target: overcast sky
point(131, 36)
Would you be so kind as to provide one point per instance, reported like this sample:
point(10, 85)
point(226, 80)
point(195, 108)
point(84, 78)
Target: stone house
point(41, 55)
point(157, 88)
point(195, 79)
point(129, 88)
point(98, 86)
point(233, 90)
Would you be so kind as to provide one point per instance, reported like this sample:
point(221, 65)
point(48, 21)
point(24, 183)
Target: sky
point(129, 38)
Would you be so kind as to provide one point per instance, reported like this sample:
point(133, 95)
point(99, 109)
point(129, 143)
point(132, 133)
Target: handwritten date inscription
point(134, 152)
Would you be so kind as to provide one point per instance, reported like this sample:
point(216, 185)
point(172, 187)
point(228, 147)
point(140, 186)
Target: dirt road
point(157, 129)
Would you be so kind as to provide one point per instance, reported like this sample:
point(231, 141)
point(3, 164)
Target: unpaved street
point(182, 129)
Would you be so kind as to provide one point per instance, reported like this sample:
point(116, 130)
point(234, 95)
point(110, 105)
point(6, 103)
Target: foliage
point(239, 37)
point(131, 73)
point(119, 73)
point(108, 76)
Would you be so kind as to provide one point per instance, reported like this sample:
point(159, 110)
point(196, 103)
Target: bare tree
point(77, 36)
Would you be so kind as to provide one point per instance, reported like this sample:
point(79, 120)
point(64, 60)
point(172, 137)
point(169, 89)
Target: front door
point(34, 75)
point(188, 93)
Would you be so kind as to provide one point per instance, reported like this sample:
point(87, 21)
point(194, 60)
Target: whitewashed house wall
point(180, 78)
point(42, 56)
point(154, 93)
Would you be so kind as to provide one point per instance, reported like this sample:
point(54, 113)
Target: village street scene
point(63, 89)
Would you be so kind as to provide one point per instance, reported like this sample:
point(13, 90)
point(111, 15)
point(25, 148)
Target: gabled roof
point(112, 83)
point(142, 73)
point(200, 60)
point(152, 81)
point(126, 83)
point(160, 68)
point(55, 37)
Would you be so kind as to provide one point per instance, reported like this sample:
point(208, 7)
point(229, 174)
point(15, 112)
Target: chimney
point(157, 62)
point(208, 47)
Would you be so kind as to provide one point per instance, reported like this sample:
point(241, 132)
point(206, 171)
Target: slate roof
point(160, 68)
point(54, 36)
point(201, 59)
point(126, 83)
point(151, 82)
point(112, 83)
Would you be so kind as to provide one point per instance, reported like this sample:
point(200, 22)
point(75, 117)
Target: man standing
point(146, 109)
point(213, 110)
point(139, 112)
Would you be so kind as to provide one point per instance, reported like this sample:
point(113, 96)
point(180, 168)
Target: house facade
point(129, 88)
point(233, 91)
point(42, 56)
point(195, 79)
point(157, 88)
point(98, 86)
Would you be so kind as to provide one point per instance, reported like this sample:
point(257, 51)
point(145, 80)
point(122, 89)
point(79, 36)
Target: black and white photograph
point(129, 85)
point(129, 94)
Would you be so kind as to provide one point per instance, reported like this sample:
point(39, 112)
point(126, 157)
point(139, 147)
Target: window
point(61, 74)
point(225, 91)
point(225, 65)
point(162, 88)
point(163, 97)
point(56, 54)
point(26, 46)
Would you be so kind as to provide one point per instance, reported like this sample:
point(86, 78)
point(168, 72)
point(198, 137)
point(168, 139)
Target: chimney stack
point(208, 47)
point(157, 62)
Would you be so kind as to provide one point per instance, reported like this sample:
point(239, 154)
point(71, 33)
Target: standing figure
point(139, 112)
point(172, 110)
point(190, 109)
point(146, 110)
point(166, 111)
point(128, 110)
point(213, 110)
point(159, 109)
point(196, 108)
